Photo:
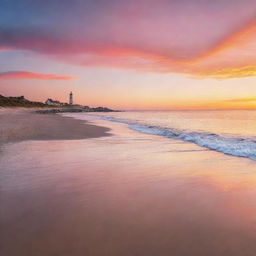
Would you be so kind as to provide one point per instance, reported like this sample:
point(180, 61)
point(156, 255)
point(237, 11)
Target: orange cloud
point(242, 100)
point(31, 75)
point(232, 57)
point(237, 39)
point(228, 73)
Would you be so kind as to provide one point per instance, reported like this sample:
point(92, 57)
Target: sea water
point(229, 132)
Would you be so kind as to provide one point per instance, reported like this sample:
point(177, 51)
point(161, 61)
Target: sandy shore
point(124, 195)
point(21, 124)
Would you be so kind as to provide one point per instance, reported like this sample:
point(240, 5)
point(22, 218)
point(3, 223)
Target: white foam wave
point(242, 147)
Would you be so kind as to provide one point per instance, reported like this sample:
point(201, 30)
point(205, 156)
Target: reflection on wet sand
point(130, 194)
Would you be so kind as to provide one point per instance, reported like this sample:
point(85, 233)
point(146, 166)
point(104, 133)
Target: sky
point(136, 54)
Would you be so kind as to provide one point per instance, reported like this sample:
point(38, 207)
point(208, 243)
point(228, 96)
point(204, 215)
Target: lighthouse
point(71, 98)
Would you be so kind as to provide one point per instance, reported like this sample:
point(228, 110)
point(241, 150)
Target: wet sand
point(127, 194)
point(21, 124)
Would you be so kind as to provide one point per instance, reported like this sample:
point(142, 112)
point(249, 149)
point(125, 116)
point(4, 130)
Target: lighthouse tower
point(71, 98)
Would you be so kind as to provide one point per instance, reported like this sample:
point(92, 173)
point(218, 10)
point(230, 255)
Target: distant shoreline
point(74, 110)
point(22, 102)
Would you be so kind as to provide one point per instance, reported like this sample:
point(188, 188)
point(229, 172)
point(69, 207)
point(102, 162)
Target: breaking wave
point(241, 147)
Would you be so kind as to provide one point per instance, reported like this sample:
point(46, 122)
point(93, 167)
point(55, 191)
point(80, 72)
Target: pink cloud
point(32, 75)
point(226, 53)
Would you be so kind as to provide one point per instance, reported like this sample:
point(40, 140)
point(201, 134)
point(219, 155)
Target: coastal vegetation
point(21, 101)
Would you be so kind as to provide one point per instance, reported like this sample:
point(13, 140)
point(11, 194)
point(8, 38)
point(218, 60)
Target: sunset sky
point(136, 54)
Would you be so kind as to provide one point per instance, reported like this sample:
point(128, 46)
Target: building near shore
point(51, 102)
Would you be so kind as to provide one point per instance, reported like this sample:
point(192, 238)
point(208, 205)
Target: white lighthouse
point(71, 98)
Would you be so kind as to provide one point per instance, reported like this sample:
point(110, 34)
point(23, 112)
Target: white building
point(51, 102)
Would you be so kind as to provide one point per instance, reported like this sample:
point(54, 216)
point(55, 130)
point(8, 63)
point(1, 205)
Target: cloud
point(32, 75)
point(232, 55)
point(229, 73)
point(241, 100)
point(235, 39)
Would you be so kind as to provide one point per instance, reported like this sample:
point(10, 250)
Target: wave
point(241, 147)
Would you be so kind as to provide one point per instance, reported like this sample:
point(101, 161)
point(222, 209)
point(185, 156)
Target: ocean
point(229, 132)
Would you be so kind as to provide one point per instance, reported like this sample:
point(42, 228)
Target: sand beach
point(126, 194)
point(19, 124)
